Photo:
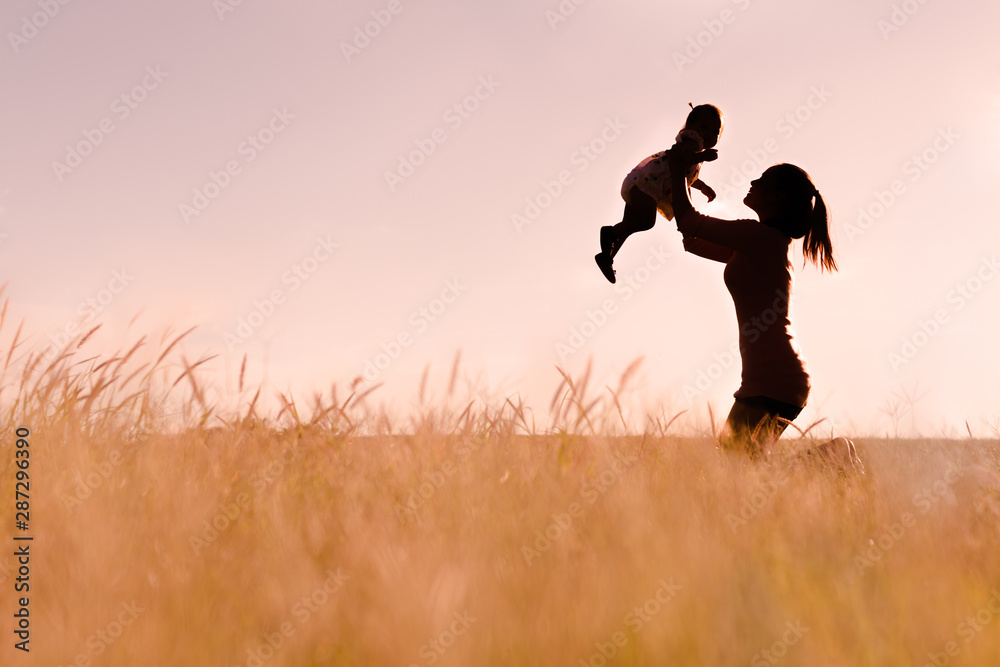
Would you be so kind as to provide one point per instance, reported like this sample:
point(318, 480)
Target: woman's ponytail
point(805, 214)
point(816, 244)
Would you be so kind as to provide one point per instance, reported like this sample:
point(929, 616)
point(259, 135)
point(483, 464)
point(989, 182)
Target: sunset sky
point(335, 203)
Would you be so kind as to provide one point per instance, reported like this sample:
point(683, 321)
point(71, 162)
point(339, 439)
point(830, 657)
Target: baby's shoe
point(604, 262)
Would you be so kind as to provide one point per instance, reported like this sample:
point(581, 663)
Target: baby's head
point(707, 121)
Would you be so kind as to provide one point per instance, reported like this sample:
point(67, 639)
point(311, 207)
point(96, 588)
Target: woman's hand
point(679, 161)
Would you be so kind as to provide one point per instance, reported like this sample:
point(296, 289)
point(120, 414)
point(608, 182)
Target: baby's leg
point(640, 215)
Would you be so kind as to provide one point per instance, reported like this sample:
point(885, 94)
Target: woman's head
point(707, 121)
point(785, 197)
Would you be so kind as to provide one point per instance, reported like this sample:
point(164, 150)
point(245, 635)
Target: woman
point(758, 274)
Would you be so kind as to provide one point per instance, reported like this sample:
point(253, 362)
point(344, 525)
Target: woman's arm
point(730, 234)
point(679, 161)
point(703, 248)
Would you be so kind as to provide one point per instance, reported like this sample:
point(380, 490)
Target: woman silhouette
point(758, 274)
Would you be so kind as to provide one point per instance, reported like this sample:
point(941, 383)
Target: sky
point(367, 188)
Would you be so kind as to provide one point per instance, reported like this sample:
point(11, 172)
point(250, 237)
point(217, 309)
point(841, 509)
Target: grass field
point(470, 536)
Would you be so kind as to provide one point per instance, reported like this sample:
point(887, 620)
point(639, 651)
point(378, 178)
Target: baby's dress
point(652, 176)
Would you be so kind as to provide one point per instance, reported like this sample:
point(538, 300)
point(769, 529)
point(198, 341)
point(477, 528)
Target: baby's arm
point(705, 189)
point(689, 147)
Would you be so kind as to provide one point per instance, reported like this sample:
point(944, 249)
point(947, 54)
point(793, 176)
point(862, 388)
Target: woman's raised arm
point(703, 248)
point(725, 234)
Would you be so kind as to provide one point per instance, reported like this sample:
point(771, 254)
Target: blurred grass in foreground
point(171, 532)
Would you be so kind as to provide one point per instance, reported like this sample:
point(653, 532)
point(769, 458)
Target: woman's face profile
point(765, 195)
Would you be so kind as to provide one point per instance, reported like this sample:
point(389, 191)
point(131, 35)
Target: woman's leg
point(754, 423)
point(839, 454)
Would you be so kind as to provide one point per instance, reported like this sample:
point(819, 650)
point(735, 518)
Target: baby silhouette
point(647, 188)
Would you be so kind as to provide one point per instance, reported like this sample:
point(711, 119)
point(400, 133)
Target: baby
point(646, 189)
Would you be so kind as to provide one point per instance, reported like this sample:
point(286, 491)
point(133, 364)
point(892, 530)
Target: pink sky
point(315, 199)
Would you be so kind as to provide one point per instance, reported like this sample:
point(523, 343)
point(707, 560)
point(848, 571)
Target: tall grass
point(169, 530)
